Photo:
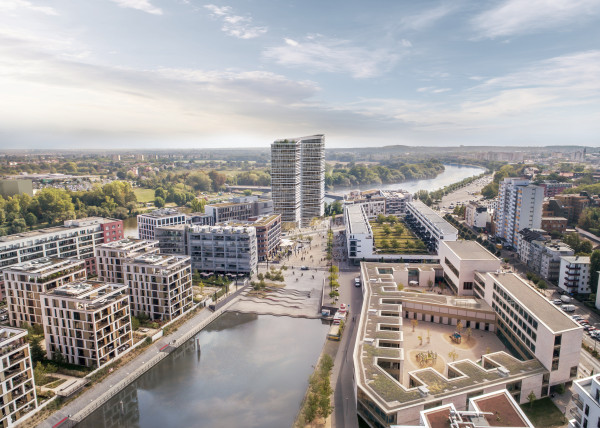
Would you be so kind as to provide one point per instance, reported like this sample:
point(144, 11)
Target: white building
point(160, 285)
point(525, 239)
point(239, 208)
point(162, 217)
point(24, 283)
point(476, 215)
point(550, 255)
point(110, 257)
point(574, 275)
point(87, 322)
point(586, 397)
point(223, 249)
point(519, 207)
point(428, 225)
point(17, 386)
point(298, 178)
point(359, 235)
point(460, 260)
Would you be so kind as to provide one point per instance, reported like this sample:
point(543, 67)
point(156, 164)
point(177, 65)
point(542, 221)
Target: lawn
point(397, 240)
point(144, 195)
point(544, 413)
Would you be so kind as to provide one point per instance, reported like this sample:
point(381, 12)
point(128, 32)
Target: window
point(468, 286)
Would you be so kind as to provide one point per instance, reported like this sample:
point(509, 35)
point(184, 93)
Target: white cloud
point(10, 5)
point(235, 25)
point(143, 5)
point(319, 54)
point(427, 18)
point(514, 17)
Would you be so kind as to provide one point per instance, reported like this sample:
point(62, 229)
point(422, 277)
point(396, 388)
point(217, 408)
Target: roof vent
point(423, 391)
point(503, 371)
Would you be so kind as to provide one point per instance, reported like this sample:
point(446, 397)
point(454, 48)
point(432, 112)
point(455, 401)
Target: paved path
point(126, 373)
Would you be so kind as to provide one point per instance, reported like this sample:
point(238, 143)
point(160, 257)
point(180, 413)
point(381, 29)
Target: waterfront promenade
point(90, 400)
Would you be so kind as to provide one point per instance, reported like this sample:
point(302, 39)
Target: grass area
point(396, 239)
point(544, 413)
point(54, 382)
point(144, 195)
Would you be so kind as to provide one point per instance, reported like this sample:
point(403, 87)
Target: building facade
point(554, 224)
point(586, 397)
point(172, 239)
point(574, 275)
point(110, 257)
point(88, 322)
point(147, 223)
point(268, 235)
point(17, 394)
point(519, 207)
point(476, 215)
point(240, 208)
point(312, 178)
point(553, 188)
point(24, 283)
point(429, 226)
point(160, 285)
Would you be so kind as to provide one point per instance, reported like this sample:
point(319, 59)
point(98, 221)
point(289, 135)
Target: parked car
point(557, 302)
point(565, 298)
point(589, 328)
point(357, 281)
point(568, 308)
point(304, 268)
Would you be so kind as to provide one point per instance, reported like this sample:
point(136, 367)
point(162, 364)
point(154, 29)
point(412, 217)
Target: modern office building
point(88, 322)
point(574, 275)
point(162, 217)
point(160, 285)
point(428, 225)
point(17, 393)
point(519, 207)
point(239, 208)
point(76, 238)
point(586, 397)
point(298, 178)
point(223, 249)
point(110, 257)
point(460, 260)
point(24, 283)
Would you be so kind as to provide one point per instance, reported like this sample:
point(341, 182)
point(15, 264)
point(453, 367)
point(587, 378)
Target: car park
point(589, 328)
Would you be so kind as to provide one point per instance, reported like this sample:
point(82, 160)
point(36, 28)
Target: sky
point(139, 74)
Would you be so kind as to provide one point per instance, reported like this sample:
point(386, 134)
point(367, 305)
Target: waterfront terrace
point(393, 388)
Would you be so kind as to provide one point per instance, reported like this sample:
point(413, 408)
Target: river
point(251, 371)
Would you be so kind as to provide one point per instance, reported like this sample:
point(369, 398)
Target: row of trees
point(51, 206)
point(428, 198)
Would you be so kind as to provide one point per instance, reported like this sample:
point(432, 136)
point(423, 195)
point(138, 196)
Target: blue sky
point(193, 74)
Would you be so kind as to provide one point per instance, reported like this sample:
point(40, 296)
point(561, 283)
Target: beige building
point(17, 394)
point(160, 285)
point(24, 283)
point(110, 257)
point(88, 322)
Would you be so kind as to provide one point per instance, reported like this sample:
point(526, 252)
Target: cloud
point(10, 5)
point(235, 25)
point(143, 5)
point(319, 54)
point(433, 89)
point(426, 19)
point(515, 17)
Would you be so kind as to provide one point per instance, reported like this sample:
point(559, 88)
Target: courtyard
point(395, 237)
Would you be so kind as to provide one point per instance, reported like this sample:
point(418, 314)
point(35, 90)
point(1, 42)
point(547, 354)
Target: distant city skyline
point(142, 74)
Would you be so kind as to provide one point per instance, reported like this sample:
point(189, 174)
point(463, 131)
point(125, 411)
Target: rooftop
point(128, 243)
point(163, 212)
point(162, 260)
point(87, 290)
point(69, 225)
point(358, 220)
point(434, 218)
point(45, 265)
point(469, 250)
point(576, 259)
point(538, 305)
point(8, 334)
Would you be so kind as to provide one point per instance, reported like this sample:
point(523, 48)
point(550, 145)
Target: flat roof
point(44, 264)
point(469, 250)
point(576, 259)
point(164, 212)
point(358, 220)
point(542, 308)
point(126, 243)
point(504, 411)
point(434, 218)
point(69, 225)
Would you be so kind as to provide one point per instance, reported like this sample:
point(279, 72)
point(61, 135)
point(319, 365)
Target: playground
point(444, 344)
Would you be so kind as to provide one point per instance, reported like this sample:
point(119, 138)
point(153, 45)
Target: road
point(465, 194)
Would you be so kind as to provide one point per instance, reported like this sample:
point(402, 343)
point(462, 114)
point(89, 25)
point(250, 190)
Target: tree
point(459, 326)
point(218, 180)
point(399, 229)
point(395, 244)
point(247, 192)
point(381, 219)
point(400, 286)
point(384, 243)
point(386, 229)
point(37, 353)
point(54, 205)
point(468, 333)
point(159, 192)
point(30, 219)
point(159, 202)
point(414, 323)
point(531, 398)
point(453, 354)
point(420, 340)
point(197, 205)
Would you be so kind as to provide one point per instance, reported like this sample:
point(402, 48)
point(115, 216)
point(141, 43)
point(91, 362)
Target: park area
point(392, 236)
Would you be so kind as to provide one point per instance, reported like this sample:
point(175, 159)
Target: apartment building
point(554, 224)
point(110, 257)
point(148, 222)
point(395, 201)
point(375, 202)
point(160, 285)
point(172, 239)
point(553, 188)
point(428, 225)
point(88, 322)
point(525, 239)
point(75, 239)
point(239, 208)
point(25, 281)
point(223, 249)
point(575, 275)
point(298, 179)
point(17, 394)
point(268, 235)
point(476, 215)
point(571, 206)
point(532, 325)
point(550, 255)
point(460, 260)
point(519, 207)
point(586, 397)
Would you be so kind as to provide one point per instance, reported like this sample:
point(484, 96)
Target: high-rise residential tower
point(298, 178)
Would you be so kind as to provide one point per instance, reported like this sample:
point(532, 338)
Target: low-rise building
point(88, 322)
point(148, 222)
point(553, 188)
point(574, 275)
point(428, 225)
point(239, 208)
point(525, 239)
point(160, 285)
point(554, 224)
point(223, 249)
point(376, 201)
point(24, 283)
point(110, 257)
point(460, 260)
point(550, 254)
point(17, 393)
point(586, 397)
point(476, 215)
